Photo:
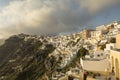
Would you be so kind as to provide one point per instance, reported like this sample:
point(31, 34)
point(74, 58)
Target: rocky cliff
point(25, 57)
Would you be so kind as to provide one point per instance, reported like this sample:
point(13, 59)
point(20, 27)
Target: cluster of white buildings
point(104, 50)
point(66, 46)
point(98, 42)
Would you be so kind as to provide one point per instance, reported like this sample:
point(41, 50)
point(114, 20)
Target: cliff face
point(24, 57)
point(27, 57)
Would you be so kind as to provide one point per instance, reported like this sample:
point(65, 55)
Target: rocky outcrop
point(25, 57)
point(31, 57)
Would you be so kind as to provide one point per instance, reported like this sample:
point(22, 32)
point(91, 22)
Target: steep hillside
point(31, 57)
point(24, 57)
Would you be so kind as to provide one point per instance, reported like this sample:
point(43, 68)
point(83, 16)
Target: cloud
point(96, 5)
point(49, 16)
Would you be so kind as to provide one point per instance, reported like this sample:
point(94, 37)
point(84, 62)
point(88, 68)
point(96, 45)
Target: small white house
point(109, 46)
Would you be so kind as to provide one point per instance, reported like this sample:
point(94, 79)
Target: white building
point(96, 65)
point(97, 35)
point(109, 46)
point(102, 27)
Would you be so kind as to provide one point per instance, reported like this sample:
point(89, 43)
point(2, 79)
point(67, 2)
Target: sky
point(55, 16)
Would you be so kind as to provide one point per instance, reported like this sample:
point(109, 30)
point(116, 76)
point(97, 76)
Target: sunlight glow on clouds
point(49, 16)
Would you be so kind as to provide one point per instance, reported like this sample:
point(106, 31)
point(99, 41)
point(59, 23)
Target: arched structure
point(112, 61)
point(115, 61)
point(117, 68)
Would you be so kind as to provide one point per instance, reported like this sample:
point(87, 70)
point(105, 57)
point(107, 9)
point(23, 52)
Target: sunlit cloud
point(49, 16)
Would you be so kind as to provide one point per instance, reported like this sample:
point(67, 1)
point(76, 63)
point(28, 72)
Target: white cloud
point(48, 16)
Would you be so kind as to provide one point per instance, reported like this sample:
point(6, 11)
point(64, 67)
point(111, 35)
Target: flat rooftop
point(116, 49)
